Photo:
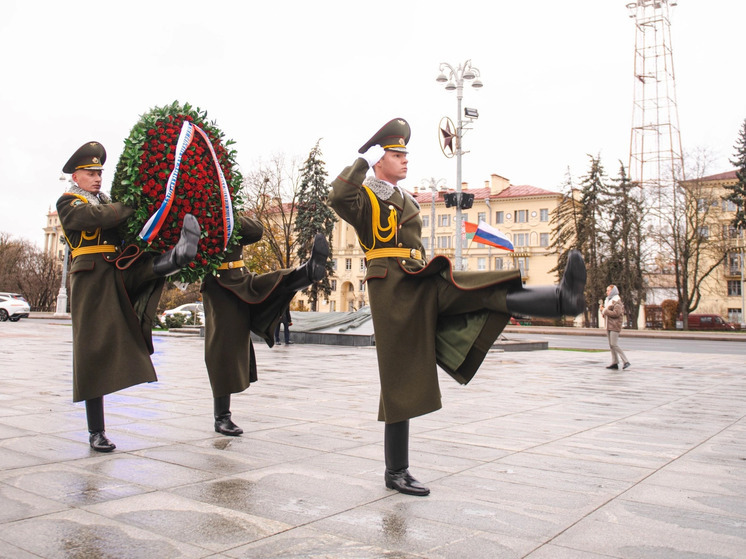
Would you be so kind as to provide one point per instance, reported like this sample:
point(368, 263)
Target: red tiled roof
point(721, 176)
point(524, 190)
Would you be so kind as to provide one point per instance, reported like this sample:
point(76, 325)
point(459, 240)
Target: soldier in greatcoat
point(113, 293)
point(239, 302)
point(425, 313)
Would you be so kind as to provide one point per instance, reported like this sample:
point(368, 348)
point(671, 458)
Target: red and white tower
point(655, 154)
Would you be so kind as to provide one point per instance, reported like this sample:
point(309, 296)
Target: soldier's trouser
point(396, 445)
point(94, 411)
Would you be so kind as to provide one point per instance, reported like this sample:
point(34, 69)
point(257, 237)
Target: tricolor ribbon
point(153, 225)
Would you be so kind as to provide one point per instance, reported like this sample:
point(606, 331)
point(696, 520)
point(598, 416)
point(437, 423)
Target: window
point(334, 263)
point(464, 217)
point(426, 243)
point(499, 217)
point(521, 216)
point(729, 206)
point(544, 239)
point(334, 284)
point(444, 220)
point(332, 306)
point(523, 265)
point(730, 232)
point(426, 221)
point(733, 264)
point(481, 216)
point(704, 231)
point(361, 287)
point(734, 315)
point(544, 214)
point(734, 288)
point(348, 264)
point(481, 263)
point(701, 204)
point(520, 239)
point(498, 263)
point(362, 264)
point(444, 241)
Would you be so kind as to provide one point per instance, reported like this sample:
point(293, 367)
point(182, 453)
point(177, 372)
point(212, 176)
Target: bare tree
point(690, 234)
point(27, 270)
point(271, 193)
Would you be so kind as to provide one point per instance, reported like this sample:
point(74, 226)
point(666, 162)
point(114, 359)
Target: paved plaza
point(545, 455)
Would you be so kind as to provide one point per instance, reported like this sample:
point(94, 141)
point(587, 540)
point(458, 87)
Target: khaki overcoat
point(424, 313)
point(112, 309)
point(238, 302)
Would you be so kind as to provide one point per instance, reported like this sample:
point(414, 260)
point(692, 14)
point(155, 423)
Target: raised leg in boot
point(223, 423)
point(565, 299)
point(396, 449)
point(314, 269)
point(94, 411)
point(183, 253)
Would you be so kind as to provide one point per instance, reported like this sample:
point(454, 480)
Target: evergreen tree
point(589, 241)
point(624, 242)
point(738, 190)
point(314, 216)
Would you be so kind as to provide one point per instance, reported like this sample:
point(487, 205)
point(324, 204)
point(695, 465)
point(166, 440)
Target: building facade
point(53, 239)
point(723, 290)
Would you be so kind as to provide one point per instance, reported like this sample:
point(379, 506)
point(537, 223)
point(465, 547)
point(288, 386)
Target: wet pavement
point(546, 454)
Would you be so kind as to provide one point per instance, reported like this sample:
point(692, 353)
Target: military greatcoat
point(112, 307)
point(238, 302)
point(424, 313)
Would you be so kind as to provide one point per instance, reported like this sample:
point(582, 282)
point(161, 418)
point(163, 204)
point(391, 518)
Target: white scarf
point(94, 199)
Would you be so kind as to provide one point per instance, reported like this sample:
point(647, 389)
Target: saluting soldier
point(238, 302)
point(425, 313)
point(113, 294)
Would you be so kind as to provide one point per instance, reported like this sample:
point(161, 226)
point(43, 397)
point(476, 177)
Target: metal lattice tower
point(655, 154)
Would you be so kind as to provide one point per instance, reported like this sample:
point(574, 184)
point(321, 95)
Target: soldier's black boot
point(396, 449)
point(314, 269)
point(223, 423)
point(565, 299)
point(94, 411)
point(183, 253)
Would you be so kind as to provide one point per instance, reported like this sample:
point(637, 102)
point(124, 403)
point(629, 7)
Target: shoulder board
point(78, 199)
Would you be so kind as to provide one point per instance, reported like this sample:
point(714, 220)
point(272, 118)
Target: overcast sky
point(277, 76)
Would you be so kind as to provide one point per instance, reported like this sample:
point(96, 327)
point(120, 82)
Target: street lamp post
point(433, 185)
point(455, 80)
point(61, 309)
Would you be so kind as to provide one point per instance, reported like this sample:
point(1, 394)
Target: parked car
point(188, 312)
point(13, 307)
point(710, 322)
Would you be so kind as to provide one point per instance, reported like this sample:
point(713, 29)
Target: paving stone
point(544, 455)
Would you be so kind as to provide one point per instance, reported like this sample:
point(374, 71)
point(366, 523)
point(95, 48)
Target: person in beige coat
point(425, 312)
point(613, 311)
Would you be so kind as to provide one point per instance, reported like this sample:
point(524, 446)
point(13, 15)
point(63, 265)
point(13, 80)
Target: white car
point(188, 312)
point(13, 307)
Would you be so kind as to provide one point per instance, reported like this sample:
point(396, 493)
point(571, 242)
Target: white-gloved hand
point(373, 155)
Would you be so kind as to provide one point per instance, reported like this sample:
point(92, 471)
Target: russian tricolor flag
point(487, 235)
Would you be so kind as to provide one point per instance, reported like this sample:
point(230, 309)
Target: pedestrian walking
point(286, 322)
point(613, 311)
